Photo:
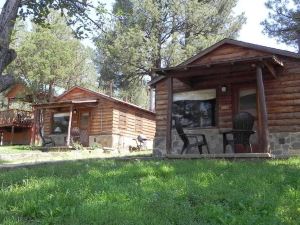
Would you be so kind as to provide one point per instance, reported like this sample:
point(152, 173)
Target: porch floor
point(222, 156)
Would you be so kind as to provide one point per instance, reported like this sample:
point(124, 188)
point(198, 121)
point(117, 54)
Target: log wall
point(283, 98)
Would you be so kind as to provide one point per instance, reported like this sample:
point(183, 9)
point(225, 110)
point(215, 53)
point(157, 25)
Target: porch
point(215, 92)
point(66, 122)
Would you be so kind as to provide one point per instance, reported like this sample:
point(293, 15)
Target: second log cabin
point(94, 118)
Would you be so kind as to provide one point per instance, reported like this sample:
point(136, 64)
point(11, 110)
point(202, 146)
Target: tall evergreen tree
point(284, 21)
point(147, 34)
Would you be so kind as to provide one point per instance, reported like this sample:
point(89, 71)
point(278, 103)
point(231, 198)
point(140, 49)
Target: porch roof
point(66, 103)
point(219, 67)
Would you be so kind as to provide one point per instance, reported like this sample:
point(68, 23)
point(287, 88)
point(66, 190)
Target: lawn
point(153, 192)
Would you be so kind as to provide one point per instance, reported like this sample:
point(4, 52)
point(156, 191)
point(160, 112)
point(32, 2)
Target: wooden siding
point(17, 90)
point(134, 122)
point(102, 118)
point(161, 103)
point(78, 94)
point(283, 98)
point(48, 121)
point(229, 52)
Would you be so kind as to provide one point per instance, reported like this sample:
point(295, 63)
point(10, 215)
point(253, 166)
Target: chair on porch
point(187, 145)
point(47, 141)
point(242, 130)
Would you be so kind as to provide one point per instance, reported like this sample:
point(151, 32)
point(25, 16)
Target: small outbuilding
point(93, 118)
point(209, 89)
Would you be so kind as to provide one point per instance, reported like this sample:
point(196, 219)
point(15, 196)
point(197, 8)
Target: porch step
point(222, 156)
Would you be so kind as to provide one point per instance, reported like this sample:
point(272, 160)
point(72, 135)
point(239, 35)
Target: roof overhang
point(89, 103)
point(220, 67)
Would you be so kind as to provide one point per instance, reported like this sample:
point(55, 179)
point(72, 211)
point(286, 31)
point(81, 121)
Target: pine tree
point(147, 34)
point(284, 21)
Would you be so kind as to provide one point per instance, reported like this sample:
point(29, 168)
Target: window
point(60, 123)
point(195, 108)
point(247, 100)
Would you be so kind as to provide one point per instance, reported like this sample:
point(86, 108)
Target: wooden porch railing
point(16, 117)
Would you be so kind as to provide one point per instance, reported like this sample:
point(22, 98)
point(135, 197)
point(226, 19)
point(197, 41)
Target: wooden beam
point(187, 82)
point(218, 70)
point(1, 138)
point(70, 126)
point(33, 128)
point(262, 112)
point(271, 69)
point(169, 115)
point(12, 135)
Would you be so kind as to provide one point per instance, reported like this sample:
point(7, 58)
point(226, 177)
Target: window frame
point(236, 98)
point(216, 109)
point(52, 123)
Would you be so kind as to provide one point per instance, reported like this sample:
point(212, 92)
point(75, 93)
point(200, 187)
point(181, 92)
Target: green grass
point(14, 149)
point(153, 192)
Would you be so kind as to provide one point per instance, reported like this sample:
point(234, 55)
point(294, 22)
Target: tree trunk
point(7, 22)
point(298, 41)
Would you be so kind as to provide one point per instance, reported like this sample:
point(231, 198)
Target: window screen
point(60, 123)
point(195, 108)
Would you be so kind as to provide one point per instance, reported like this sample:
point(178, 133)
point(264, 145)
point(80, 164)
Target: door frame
point(80, 112)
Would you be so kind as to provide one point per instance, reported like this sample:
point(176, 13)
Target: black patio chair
point(187, 145)
point(242, 130)
point(47, 141)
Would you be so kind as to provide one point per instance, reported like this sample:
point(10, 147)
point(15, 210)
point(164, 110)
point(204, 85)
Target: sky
point(255, 12)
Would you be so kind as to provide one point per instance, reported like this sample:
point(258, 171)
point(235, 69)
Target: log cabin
point(229, 77)
point(98, 118)
point(16, 116)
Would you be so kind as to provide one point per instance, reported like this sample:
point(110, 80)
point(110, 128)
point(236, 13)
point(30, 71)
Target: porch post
point(69, 127)
point(12, 135)
point(33, 128)
point(263, 134)
point(169, 115)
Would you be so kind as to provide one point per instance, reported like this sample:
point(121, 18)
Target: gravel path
point(29, 158)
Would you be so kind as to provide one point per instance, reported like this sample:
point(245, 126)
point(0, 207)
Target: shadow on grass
point(153, 192)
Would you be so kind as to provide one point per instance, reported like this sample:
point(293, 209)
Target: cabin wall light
point(75, 111)
point(224, 88)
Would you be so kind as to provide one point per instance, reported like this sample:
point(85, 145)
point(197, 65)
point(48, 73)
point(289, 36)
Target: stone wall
point(284, 143)
point(59, 139)
point(280, 143)
point(118, 142)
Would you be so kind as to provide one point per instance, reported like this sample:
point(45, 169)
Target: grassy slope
point(153, 192)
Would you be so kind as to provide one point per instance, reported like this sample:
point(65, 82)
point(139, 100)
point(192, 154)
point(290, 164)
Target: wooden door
point(84, 124)
point(246, 101)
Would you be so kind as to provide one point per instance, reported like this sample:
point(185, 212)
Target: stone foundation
point(59, 139)
point(118, 142)
point(280, 143)
point(285, 143)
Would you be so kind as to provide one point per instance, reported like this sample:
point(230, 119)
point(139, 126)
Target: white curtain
point(201, 95)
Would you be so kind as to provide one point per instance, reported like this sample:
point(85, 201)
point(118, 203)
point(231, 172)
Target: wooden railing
point(15, 117)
